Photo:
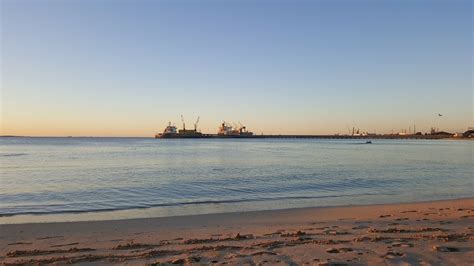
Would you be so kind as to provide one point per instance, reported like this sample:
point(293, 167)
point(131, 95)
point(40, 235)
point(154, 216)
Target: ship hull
point(204, 136)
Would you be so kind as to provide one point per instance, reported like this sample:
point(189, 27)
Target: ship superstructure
point(170, 132)
point(227, 129)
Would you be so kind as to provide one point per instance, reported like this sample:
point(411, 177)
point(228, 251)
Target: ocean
point(75, 179)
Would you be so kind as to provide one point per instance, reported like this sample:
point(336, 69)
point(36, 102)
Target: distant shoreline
point(212, 136)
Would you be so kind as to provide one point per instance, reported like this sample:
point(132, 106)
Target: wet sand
point(428, 233)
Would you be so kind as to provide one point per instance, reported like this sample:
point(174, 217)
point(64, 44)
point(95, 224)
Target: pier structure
point(365, 137)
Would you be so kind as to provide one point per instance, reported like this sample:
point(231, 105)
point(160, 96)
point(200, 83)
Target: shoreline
point(265, 212)
point(438, 231)
point(173, 211)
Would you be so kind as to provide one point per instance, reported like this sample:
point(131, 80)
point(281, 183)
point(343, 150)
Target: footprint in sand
point(402, 219)
point(48, 237)
point(65, 245)
point(363, 222)
point(264, 253)
point(409, 211)
point(392, 255)
point(298, 233)
point(443, 222)
point(360, 227)
point(333, 263)
point(334, 232)
point(339, 250)
point(19, 243)
point(446, 249)
point(402, 245)
point(177, 261)
point(38, 252)
point(133, 245)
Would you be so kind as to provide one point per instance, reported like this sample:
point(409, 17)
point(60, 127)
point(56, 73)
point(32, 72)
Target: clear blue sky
point(126, 68)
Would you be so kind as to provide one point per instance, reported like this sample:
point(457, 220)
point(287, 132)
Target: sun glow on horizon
point(79, 68)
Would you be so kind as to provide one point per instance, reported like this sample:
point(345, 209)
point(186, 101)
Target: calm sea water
point(56, 179)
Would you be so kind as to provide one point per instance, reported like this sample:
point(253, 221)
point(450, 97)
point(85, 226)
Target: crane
point(242, 128)
point(195, 124)
point(184, 125)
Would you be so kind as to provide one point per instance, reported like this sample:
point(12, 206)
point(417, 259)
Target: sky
point(126, 68)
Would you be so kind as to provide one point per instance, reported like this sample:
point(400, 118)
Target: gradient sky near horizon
point(126, 68)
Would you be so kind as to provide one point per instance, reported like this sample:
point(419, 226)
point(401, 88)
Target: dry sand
point(429, 233)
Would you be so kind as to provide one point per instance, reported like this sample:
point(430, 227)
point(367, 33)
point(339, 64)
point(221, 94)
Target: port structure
point(227, 130)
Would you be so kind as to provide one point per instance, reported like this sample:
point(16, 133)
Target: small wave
point(12, 154)
point(204, 202)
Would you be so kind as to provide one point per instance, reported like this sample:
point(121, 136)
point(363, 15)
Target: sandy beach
point(427, 233)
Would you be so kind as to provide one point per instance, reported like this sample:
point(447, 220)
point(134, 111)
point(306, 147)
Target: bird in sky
point(440, 115)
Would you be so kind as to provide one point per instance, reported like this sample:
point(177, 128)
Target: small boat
point(368, 142)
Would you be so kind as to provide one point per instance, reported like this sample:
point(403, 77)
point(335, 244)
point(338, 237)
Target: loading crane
point(184, 124)
point(195, 124)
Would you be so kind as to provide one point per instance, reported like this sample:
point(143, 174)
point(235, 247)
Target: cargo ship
point(238, 131)
point(225, 130)
point(172, 132)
